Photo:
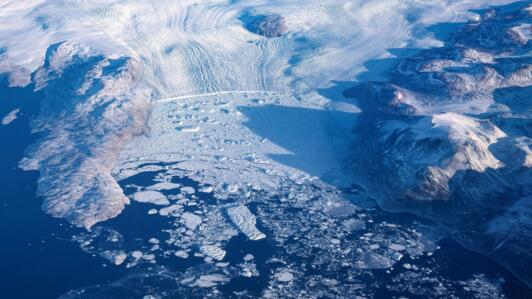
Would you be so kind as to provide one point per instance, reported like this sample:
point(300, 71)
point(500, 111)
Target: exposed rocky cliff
point(448, 137)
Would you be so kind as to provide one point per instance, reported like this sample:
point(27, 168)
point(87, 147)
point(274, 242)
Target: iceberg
point(245, 221)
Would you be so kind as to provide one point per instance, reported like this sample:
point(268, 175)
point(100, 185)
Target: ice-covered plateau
point(451, 132)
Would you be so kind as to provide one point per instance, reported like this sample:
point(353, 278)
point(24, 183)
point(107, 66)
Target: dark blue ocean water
point(39, 260)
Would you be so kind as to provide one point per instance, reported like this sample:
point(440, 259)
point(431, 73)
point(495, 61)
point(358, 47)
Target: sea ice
point(284, 276)
point(173, 210)
point(206, 189)
point(164, 186)
point(191, 221)
point(10, 117)
point(137, 254)
point(154, 197)
point(285, 140)
point(119, 258)
point(182, 254)
point(245, 221)
point(397, 247)
point(210, 280)
point(188, 190)
point(213, 251)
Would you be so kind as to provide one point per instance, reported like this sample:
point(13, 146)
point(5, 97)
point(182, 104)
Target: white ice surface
point(245, 221)
point(191, 221)
point(235, 110)
point(154, 197)
point(10, 117)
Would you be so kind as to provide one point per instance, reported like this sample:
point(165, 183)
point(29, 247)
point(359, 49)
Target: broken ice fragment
point(372, 260)
point(164, 186)
point(284, 276)
point(245, 221)
point(397, 247)
point(188, 129)
point(214, 252)
point(119, 258)
point(173, 210)
point(182, 254)
point(136, 254)
point(206, 189)
point(248, 257)
point(188, 190)
point(353, 224)
point(207, 281)
point(191, 221)
point(10, 117)
point(153, 197)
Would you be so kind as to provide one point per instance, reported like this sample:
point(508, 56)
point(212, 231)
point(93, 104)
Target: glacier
point(238, 111)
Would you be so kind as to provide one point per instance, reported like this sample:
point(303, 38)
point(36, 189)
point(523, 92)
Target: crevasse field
point(276, 149)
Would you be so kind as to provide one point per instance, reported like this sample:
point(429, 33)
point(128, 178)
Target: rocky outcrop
point(265, 25)
point(92, 106)
point(448, 137)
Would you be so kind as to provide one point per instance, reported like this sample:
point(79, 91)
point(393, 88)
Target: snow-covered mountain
point(225, 104)
point(449, 136)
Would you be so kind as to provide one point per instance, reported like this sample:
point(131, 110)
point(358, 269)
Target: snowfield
point(184, 53)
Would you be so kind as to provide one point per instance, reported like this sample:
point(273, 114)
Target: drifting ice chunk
point(10, 117)
point(248, 257)
point(136, 254)
point(182, 254)
point(335, 241)
point(206, 189)
point(188, 190)
point(214, 252)
point(191, 220)
point(172, 210)
point(245, 221)
point(284, 276)
point(372, 260)
point(154, 197)
point(164, 186)
point(397, 247)
point(207, 281)
point(119, 258)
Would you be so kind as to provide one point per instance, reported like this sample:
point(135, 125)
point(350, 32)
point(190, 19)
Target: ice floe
point(153, 197)
point(191, 221)
point(245, 221)
point(10, 117)
point(239, 115)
